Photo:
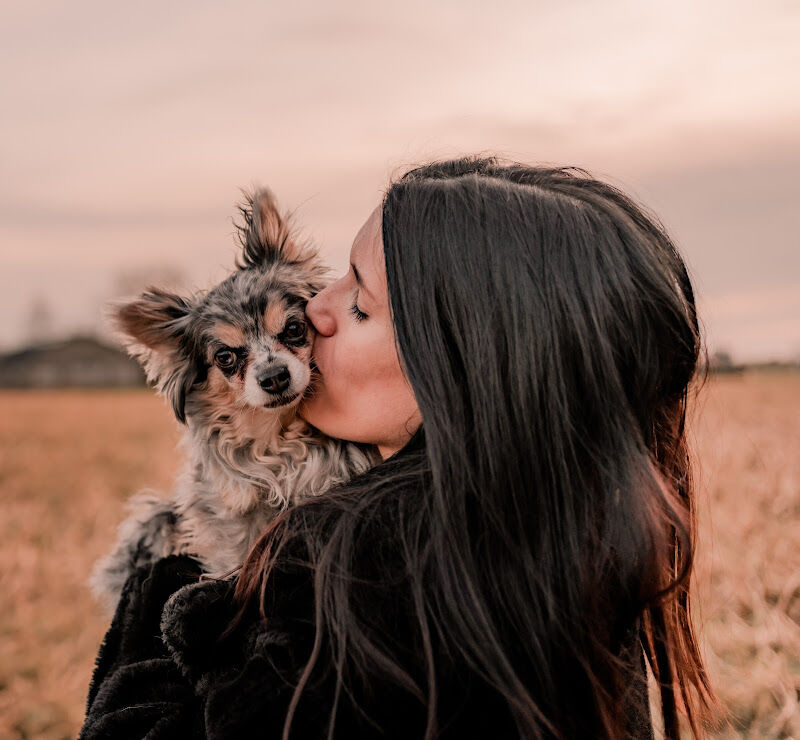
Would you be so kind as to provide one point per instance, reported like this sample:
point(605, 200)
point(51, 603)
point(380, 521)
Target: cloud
point(127, 129)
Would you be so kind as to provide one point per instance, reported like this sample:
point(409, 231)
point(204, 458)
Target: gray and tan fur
point(234, 363)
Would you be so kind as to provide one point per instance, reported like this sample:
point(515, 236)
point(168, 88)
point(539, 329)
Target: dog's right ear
point(266, 235)
point(154, 330)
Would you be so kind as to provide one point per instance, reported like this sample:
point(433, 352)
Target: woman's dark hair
point(543, 514)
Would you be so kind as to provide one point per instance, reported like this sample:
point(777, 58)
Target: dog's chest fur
point(240, 472)
point(244, 471)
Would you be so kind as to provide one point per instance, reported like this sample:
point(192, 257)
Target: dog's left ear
point(265, 234)
point(154, 330)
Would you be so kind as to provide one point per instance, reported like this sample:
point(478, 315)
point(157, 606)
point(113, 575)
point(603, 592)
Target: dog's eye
point(225, 358)
point(294, 329)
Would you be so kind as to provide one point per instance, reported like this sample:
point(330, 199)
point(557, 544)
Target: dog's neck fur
point(261, 457)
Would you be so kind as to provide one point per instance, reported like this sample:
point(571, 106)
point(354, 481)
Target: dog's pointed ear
point(154, 329)
point(157, 319)
point(266, 235)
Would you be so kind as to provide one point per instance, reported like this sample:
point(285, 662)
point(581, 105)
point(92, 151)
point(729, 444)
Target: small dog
point(235, 363)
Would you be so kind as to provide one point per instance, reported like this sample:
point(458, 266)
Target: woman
point(518, 342)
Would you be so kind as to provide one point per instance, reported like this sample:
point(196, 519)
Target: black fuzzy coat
point(162, 672)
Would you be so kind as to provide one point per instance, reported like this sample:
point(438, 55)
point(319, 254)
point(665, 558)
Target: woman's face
point(362, 394)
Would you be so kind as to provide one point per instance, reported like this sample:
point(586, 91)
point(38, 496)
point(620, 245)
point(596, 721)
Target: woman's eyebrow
point(361, 283)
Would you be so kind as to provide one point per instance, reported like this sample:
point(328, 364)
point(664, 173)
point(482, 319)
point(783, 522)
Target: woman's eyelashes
point(357, 312)
point(354, 309)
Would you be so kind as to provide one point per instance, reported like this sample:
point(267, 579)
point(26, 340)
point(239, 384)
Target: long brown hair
point(544, 514)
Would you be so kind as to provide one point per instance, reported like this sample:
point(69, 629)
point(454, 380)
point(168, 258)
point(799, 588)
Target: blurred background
point(127, 130)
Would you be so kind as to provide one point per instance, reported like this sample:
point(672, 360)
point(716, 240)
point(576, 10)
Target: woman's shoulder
point(168, 663)
point(206, 634)
point(246, 677)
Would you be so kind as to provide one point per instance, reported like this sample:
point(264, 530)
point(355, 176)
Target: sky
point(128, 129)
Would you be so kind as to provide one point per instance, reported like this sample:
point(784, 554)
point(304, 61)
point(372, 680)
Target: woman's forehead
point(367, 250)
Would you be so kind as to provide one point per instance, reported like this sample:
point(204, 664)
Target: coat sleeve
point(137, 691)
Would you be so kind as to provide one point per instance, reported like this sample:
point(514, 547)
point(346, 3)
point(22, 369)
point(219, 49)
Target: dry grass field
point(68, 460)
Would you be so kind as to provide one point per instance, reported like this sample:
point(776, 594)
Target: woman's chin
point(302, 409)
point(314, 413)
point(308, 410)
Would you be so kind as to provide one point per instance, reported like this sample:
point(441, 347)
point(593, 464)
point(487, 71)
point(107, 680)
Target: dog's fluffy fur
point(234, 363)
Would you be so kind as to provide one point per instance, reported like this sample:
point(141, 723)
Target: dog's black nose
point(275, 379)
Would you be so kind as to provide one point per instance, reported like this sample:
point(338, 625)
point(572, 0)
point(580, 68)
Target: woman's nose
point(318, 313)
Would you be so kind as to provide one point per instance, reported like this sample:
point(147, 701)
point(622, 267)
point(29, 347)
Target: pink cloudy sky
point(127, 129)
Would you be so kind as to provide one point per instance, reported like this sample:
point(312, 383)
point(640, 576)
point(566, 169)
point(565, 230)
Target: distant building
point(81, 362)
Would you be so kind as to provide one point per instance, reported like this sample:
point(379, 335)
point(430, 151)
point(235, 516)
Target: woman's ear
point(265, 234)
point(154, 330)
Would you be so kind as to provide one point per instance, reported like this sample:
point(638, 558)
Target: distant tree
point(722, 362)
point(39, 323)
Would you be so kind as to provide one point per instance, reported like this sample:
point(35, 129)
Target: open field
point(68, 460)
point(746, 435)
